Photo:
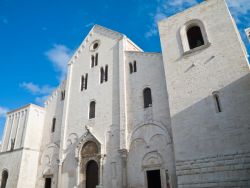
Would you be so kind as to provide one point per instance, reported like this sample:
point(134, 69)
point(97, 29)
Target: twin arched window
point(147, 97)
point(132, 67)
point(104, 74)
point(84, 82)
point(94, 60)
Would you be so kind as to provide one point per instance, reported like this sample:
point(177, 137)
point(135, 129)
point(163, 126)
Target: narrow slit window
point(4, 178)
point(86, 81)
point(62, 95)
point(217, 102)
point(106, 73)
point(53, 125)
point(92, 61)
point(101, 75)
point(82, 83)
point(92, 110)
point(96, 59)
point(195, 38)
point(130, 68)
point(135, 66)
point(147, 97)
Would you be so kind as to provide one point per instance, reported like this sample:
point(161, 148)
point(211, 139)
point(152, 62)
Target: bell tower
point(207, 77)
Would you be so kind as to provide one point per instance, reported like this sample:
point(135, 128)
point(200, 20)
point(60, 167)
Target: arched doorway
point(89, 165)
point(92, 174)
point(4, 178)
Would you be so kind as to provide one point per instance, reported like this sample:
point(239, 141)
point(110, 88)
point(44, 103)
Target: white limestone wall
point(149, 130)
point(105, 125)
point(34, 128)
point(49, 150)
point(15, 128)
point(10, 161)
point(211, 149)
point(22, 161)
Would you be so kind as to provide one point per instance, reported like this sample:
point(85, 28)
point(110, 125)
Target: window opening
point(195, 38)
point(92, 110)
point(147, 98)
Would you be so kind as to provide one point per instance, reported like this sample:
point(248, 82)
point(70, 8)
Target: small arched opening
point(5, 176)
point(195, 38)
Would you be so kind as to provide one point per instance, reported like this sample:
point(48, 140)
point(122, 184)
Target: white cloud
point(3, 111)
point(41, 100)
point(36, 89)
point(239, 9)
point(59, 55)
point(239, 6)
point(164, 9)
point(180, 3)
point(154, 29)
point(41, 92)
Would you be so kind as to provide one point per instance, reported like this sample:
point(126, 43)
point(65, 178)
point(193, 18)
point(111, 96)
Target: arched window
point(84, 82)
point(4, 178)
point(92, 110)
point(147, 97)
point(104, 74)
point(193, 34)
point(130, 68)
point(135, 67)
point(53, 125)
point(217, 101)
point(92, 61)
point(195, 38)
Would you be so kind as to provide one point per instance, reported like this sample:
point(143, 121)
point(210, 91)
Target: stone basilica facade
point(125, 118)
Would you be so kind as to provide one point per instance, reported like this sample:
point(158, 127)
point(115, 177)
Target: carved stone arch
point(82, 141)
point(160, 129)
point(152, 159)
point(72, 138)
point(135, 142)
point(49, 153)
point(88, 149)
point(47, 171)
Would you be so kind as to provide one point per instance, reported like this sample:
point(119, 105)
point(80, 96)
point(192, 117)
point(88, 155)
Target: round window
point(95, 45)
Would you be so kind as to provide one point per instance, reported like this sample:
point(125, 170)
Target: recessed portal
point(154, 178)
point(92, 174)
point(47, 182)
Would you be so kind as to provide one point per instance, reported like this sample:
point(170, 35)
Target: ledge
point(197, 49)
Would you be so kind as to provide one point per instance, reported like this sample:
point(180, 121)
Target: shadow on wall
point(202, 134)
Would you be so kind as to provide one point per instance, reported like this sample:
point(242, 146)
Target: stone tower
point(207, 76)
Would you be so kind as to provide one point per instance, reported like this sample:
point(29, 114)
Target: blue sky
point(37, 37)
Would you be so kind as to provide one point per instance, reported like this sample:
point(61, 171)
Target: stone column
point(124, 154)
point(101, 172)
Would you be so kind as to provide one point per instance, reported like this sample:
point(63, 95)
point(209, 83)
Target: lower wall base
point(231, 170)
